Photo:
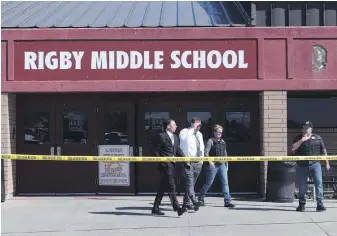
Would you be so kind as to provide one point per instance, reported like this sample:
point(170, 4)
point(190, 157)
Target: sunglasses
point(218, 132)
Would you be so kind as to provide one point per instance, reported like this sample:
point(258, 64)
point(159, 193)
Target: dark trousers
point(167, 184)
point(191, 175)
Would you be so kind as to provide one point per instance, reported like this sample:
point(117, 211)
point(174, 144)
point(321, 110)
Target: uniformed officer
point(309, 144)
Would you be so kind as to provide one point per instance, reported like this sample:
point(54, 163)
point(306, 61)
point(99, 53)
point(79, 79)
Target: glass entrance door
point(117, 128)
point(76, 135)
point(241, 140)
point(35, 131)
point(150, 124)
point(53, 126)
point(69, 125)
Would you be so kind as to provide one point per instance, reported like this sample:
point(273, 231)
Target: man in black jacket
point(167, 146)
point(309, 144)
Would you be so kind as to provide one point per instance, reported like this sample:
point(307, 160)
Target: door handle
point(52, 151)
point(131, 151)
point(140, 150)
point(58, 151)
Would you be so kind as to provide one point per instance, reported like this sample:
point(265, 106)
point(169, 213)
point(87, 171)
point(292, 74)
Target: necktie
point(172, 140)
point(198, 145)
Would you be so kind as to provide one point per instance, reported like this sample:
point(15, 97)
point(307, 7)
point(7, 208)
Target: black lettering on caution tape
point(246, 158)
point(314, 158)
point(26, 157)
point(290, 158)
point(103, 159)
point(75, 158)
point(51, 158)
point(123, 159)
point(4, 156)
point(150, 159)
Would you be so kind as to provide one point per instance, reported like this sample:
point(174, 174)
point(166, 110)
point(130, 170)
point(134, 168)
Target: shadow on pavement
point(124, 213)
point(259, 209)
point(140, 208)
point(278, 205)
point(118, 199)
point(162, 204)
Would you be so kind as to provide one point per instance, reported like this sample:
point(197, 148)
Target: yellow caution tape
point(163, 159)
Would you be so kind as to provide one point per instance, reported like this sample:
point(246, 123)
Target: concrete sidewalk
point(126, 216)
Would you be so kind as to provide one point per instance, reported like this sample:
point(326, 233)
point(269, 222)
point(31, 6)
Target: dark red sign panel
point(135, 60)
point(3, 61)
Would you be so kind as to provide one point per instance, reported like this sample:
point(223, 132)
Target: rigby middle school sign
point(135, 60)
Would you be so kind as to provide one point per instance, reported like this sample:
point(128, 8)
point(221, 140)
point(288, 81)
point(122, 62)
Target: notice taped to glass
point(113, 173)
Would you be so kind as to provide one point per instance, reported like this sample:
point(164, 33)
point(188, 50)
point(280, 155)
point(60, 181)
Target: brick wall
point(8, 140)
point(273, 120)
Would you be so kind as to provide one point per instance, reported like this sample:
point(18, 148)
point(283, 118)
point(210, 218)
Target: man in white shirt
point(192, 145)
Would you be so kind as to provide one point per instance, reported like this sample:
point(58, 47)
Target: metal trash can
point(281, 181)
point(3, 193)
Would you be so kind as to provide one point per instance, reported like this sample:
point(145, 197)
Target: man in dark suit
point(167, 146)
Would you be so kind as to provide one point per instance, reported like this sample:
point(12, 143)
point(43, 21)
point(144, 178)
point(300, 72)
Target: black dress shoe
point(229, 205)
point(197, 205)
point(157, 212)
point(181, 210)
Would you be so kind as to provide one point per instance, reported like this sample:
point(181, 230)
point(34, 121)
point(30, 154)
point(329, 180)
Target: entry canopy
point(96, 14)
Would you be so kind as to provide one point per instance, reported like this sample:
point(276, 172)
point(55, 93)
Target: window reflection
point(115, 128)
point(75, 127)
point(154, 121)
point(215, 11)
point(206, 122)
point(238, 127)
point(153, 125)
point(36, 127)
point(322, 112)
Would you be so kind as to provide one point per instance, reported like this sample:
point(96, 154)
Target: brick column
point(273, 118)
point(8, 140)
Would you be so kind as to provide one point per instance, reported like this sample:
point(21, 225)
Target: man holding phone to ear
point(192, 145)
point(309, 144)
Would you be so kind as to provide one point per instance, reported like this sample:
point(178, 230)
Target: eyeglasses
point(218, 132)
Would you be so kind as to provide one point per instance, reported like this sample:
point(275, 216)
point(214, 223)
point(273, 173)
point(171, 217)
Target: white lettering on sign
point(148, 60)
point(122, 60)
point(53, 60)
point(213, 59)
